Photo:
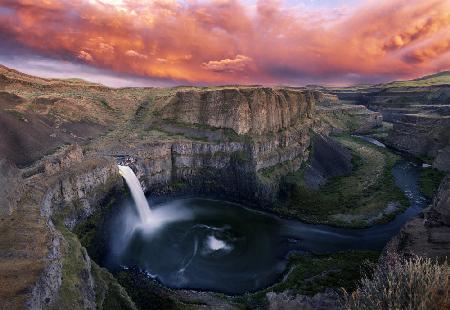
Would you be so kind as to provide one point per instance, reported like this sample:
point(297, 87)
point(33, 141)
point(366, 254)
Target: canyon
point(61, 141)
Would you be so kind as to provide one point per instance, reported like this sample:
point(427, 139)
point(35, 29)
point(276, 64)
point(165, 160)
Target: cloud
point(85, 56)
point(230, 41)
point(228, 65)
point(132, 53)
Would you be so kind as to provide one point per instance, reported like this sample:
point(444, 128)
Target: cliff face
point(245, 110)
point(328, 159)
point(394, 102)
point(423, 135)
point(225, 169)
point(56, 193)
point(428, 235)
point(10, 187)
point(351, 118)
point(232, 142)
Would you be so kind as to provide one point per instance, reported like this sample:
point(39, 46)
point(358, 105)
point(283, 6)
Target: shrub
point(399, 283)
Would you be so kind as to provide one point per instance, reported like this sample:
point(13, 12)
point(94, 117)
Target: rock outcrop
point(421, 135)
point(327, 300)
point(427, 235)
point(245, 110)
point(10, 187)
point(267, 136)
point(442, 159)
point(56, 193)
point(349, 118)
point(328, 159)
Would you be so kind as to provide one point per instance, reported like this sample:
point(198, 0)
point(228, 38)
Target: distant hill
point(39, 115)
point(13, 75)
point(441, 78)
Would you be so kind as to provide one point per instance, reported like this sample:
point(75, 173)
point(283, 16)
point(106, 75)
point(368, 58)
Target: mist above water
point(220, 246)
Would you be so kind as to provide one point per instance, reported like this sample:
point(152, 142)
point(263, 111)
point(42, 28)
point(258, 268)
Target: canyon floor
point(293, 152)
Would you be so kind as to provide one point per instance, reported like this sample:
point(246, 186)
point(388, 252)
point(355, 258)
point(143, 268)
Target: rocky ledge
point(428, 234)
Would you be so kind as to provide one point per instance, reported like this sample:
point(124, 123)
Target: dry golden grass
point(399, 283)
point(24, 243)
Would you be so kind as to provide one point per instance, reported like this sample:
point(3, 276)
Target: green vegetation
point(355, 200)
point(88, 230)
point(178, 185)
point(382, 132)
point(398, 283)
point(311, 274)
point(106, 105)
point(17, 114)
point(442, 78)
point(73, 266)
point(198, 132)
point(148, 294)
point(109, 294)
point(429, 181)
point(240, 157)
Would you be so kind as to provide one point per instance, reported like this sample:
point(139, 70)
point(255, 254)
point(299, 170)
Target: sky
point(216, 42)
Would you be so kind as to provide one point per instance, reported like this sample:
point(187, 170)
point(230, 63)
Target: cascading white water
point(142, 206)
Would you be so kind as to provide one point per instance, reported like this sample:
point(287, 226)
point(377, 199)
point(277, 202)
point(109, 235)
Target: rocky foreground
point(61, 141)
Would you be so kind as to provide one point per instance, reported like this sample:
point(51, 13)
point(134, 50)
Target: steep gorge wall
point(230, 170)
point(246, 167)
point(245, 110)
point(423, 136)
point(272, 129)
point(68, 187)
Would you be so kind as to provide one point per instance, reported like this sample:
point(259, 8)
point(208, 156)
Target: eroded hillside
point(39, 115)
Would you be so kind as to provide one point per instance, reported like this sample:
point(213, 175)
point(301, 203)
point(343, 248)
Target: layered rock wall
point(70, 187)
point(245, 110)
point(424, 136)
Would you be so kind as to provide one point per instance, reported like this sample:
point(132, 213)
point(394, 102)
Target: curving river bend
point(220, 246)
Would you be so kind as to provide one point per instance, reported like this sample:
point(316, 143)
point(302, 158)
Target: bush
point(399, 283)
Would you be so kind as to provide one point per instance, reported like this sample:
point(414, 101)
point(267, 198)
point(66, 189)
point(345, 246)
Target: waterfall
point(137, 193)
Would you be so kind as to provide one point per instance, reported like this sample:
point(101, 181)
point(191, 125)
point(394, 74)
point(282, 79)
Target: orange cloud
point(135, 54)
point(228, 65)
point(226, 41)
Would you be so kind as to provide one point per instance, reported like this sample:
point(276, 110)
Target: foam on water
point(216, 244)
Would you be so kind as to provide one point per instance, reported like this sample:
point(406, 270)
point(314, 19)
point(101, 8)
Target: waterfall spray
point(137, 193)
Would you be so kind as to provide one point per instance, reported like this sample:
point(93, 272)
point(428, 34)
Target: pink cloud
point(223, 41)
